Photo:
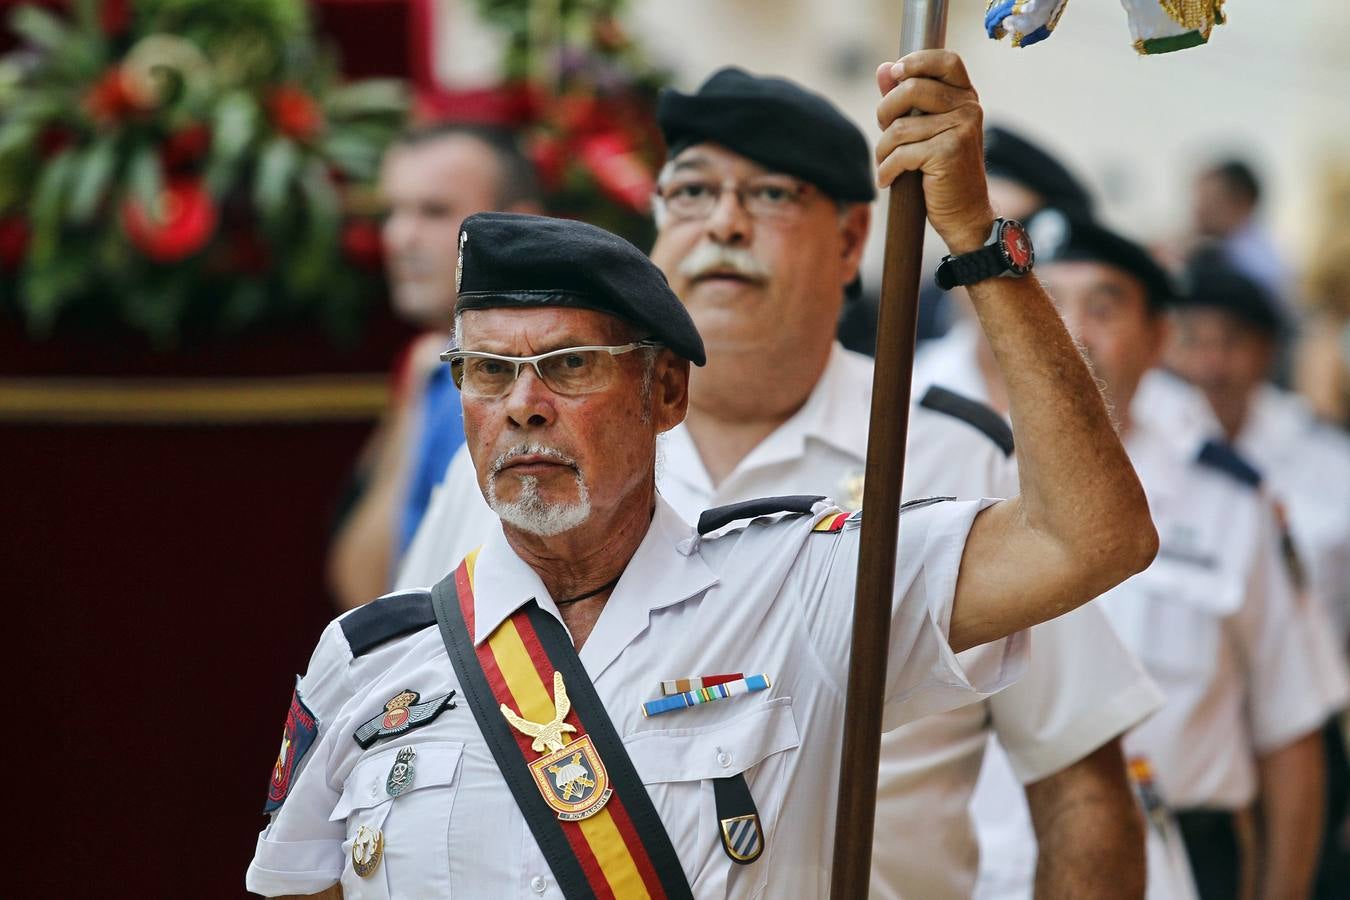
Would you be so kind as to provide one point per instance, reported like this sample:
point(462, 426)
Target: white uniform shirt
point(1214, 618)
point(768, 598)
point(1306, 464)
point(1083, 687)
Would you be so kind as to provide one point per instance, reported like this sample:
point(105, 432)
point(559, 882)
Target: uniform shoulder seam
point(978, 415)
point(391, 616)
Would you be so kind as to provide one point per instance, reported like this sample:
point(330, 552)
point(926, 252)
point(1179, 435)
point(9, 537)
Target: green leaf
point(39, 27)
point(48, 200)
point(277, 167)
point(92, 175)
point(145, 179)
point(234, 127)
point(356, 156)
point(314, 260)
point(375, 96)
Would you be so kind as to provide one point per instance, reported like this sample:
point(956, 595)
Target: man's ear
point(670, 390)
point(854, 229)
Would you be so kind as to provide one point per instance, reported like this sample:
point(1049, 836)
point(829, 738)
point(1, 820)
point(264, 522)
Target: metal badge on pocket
point(738, 820)
point(401, 772)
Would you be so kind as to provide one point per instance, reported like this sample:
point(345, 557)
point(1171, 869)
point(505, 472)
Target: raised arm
point(1081, 523)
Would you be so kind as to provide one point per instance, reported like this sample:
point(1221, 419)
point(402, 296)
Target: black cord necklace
point(586, 596)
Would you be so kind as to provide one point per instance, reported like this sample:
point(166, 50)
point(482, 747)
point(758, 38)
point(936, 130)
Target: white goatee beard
point(530, 512)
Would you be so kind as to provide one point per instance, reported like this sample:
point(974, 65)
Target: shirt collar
point(835, 413)
point(664, 571)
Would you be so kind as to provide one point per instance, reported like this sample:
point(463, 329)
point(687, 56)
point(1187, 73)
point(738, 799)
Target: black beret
point(515, 260)
point(1213, 282)
point(1011, 156)
point(1059, 237)
point(776, 123)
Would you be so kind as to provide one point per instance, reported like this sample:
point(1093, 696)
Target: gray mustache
point(709, 257)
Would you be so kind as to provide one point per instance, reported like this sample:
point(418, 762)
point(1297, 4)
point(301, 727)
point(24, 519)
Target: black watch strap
point(969, 268)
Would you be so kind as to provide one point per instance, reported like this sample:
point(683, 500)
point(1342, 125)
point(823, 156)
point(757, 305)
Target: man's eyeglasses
point(570, 372)
point(774, 197)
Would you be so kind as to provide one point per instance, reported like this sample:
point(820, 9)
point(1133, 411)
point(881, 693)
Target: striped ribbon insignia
point(616, 847)
point(832, 524)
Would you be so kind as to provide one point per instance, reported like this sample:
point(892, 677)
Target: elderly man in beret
point(781, 408)
point(604, 700)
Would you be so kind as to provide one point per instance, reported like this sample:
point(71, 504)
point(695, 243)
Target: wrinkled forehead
point(708, 158)
point(526, 331)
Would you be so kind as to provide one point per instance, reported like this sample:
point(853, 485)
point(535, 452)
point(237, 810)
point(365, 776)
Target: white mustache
point(529, 448)
point(710, 257)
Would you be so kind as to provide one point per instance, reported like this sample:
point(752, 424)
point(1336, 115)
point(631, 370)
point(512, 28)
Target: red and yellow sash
point(583, 800)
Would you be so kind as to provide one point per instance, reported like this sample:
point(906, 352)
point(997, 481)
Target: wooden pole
point(923, 26)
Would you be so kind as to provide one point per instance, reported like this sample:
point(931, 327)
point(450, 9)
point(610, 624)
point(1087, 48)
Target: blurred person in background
point(762, 216)
point(1235, 753)
point(1224, 201)
point(1224, 340)
point(432, 178)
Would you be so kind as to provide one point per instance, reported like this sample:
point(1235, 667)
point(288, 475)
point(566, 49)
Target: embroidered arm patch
point(296, 739)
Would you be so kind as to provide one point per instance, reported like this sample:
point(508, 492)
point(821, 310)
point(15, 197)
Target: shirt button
point(723, 758)
point(538, 883)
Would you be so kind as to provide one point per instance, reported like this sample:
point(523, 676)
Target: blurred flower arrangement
point(187, 169)
point(585, 96)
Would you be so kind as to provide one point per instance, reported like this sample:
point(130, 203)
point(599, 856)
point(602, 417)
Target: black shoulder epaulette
point(389, 617)
point(972, 412)
point(921, 502)
point(1221, 456)
point(715, 518)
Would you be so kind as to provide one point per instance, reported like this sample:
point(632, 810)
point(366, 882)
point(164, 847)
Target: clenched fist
point(945, 143)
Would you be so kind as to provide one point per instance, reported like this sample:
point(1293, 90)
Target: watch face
point(1016, 246)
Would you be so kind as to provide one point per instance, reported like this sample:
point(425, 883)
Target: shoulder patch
point(719, 516)
point(296, 739)
point(389, 617)
point(973, 413)
point(1221, 456)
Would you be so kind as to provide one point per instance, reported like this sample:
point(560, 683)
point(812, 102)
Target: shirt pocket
point(1178, 623)
point(413, 827)
point(679, 766)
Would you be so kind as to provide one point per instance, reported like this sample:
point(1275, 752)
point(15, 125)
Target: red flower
point(294, 113)
point(185, 147)
point(13, 243)
point(188, 221)
point(618, 170)
point(111, 100)
point(549, 160)
point(361, 244)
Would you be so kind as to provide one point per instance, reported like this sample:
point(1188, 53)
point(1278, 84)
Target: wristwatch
point(1008, 253)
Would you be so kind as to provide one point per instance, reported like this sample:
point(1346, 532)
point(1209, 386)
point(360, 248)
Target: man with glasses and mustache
point(762, 215)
